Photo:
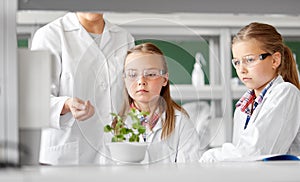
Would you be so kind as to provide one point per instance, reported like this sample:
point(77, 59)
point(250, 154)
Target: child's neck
point(147, 107)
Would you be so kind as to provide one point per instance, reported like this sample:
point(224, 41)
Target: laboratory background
point(196, 38)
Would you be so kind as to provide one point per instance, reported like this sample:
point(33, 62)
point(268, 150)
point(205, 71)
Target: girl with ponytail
point(267, 117)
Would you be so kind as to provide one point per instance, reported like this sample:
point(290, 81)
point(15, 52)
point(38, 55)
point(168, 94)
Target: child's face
point(257, 75)
point(144, 76)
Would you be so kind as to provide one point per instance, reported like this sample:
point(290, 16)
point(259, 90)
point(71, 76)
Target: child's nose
point(142, 80)
point(242, 68)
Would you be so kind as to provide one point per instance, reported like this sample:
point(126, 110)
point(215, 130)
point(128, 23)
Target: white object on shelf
point(34, 88)
point(198, 74)
point(34, 68)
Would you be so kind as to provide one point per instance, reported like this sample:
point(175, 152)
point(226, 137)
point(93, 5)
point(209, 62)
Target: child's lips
point(246, 79)
point(141, 91)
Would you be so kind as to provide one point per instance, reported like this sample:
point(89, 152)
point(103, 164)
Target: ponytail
point(288, 69)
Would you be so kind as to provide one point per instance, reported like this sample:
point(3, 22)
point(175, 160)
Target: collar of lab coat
point(277, 81)
point(158, 125)
point(71, 23)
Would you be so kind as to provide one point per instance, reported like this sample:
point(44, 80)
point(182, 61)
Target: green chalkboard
point(22, 43)
point(181, 58)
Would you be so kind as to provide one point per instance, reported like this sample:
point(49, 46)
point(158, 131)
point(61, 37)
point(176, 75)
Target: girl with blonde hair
point(267, 117)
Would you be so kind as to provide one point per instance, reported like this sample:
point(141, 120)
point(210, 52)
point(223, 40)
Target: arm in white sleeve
point(271, 132)
point(189, 143)
point(45, 39)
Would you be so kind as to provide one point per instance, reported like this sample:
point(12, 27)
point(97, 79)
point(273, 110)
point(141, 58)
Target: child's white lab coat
point(272, 129)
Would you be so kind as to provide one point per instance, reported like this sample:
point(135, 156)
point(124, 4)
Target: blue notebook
point(283, 157)
point(271, 157)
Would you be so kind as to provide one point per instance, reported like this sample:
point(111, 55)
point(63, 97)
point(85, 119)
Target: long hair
point(271, 41)
point(165, 102)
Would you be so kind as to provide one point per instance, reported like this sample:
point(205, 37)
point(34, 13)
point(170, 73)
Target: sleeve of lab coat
point(189, 143)
point(272, 132)
point(47, 38)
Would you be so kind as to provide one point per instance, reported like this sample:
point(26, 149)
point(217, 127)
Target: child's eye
point(236, 62)
point(249, 59)
point(132, 75)
point(151, 74)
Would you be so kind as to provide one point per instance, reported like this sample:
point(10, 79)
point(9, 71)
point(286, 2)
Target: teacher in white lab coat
point(86, 85)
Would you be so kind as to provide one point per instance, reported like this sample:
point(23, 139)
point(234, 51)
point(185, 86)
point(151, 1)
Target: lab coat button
point(103, 85)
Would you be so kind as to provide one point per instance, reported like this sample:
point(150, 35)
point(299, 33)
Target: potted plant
point(125, 145)
point(121, 132)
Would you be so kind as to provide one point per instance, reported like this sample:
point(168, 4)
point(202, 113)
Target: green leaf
point(124, 131)
point(121, 131)
point(107, 128)
point(119, 136)
point(130, 130)
point(119, 124)
point(131, 114)
point(141, 130)
point(119, 119)
point(135, 118)
point(133, 138)
point(114, 139)
point(144, 113)
point(132, 111)
point(135, 125)
point(114, 114)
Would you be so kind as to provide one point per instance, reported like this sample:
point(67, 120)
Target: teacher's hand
point(81, 110)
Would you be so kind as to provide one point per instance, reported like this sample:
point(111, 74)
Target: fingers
point(88, 112)
point(78, 104)
point(208, 157)
point(81, 110)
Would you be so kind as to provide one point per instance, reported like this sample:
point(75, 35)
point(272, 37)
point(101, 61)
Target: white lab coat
point(272, 129)
point(182, 146)
point(84, 70)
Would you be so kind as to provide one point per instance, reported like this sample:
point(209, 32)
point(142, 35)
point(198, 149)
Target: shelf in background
point(238, 91)
point(188, 92)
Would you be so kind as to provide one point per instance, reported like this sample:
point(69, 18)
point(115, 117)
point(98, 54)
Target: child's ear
point(166, 78)
point(276, 60)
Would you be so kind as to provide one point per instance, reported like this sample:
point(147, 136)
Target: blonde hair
point(165, 103)
point(271, 41)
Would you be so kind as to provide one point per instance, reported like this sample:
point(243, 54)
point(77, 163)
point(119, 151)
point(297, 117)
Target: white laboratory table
point(286, 171)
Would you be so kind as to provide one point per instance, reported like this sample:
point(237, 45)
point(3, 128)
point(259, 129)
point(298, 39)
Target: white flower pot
point(127, 152)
